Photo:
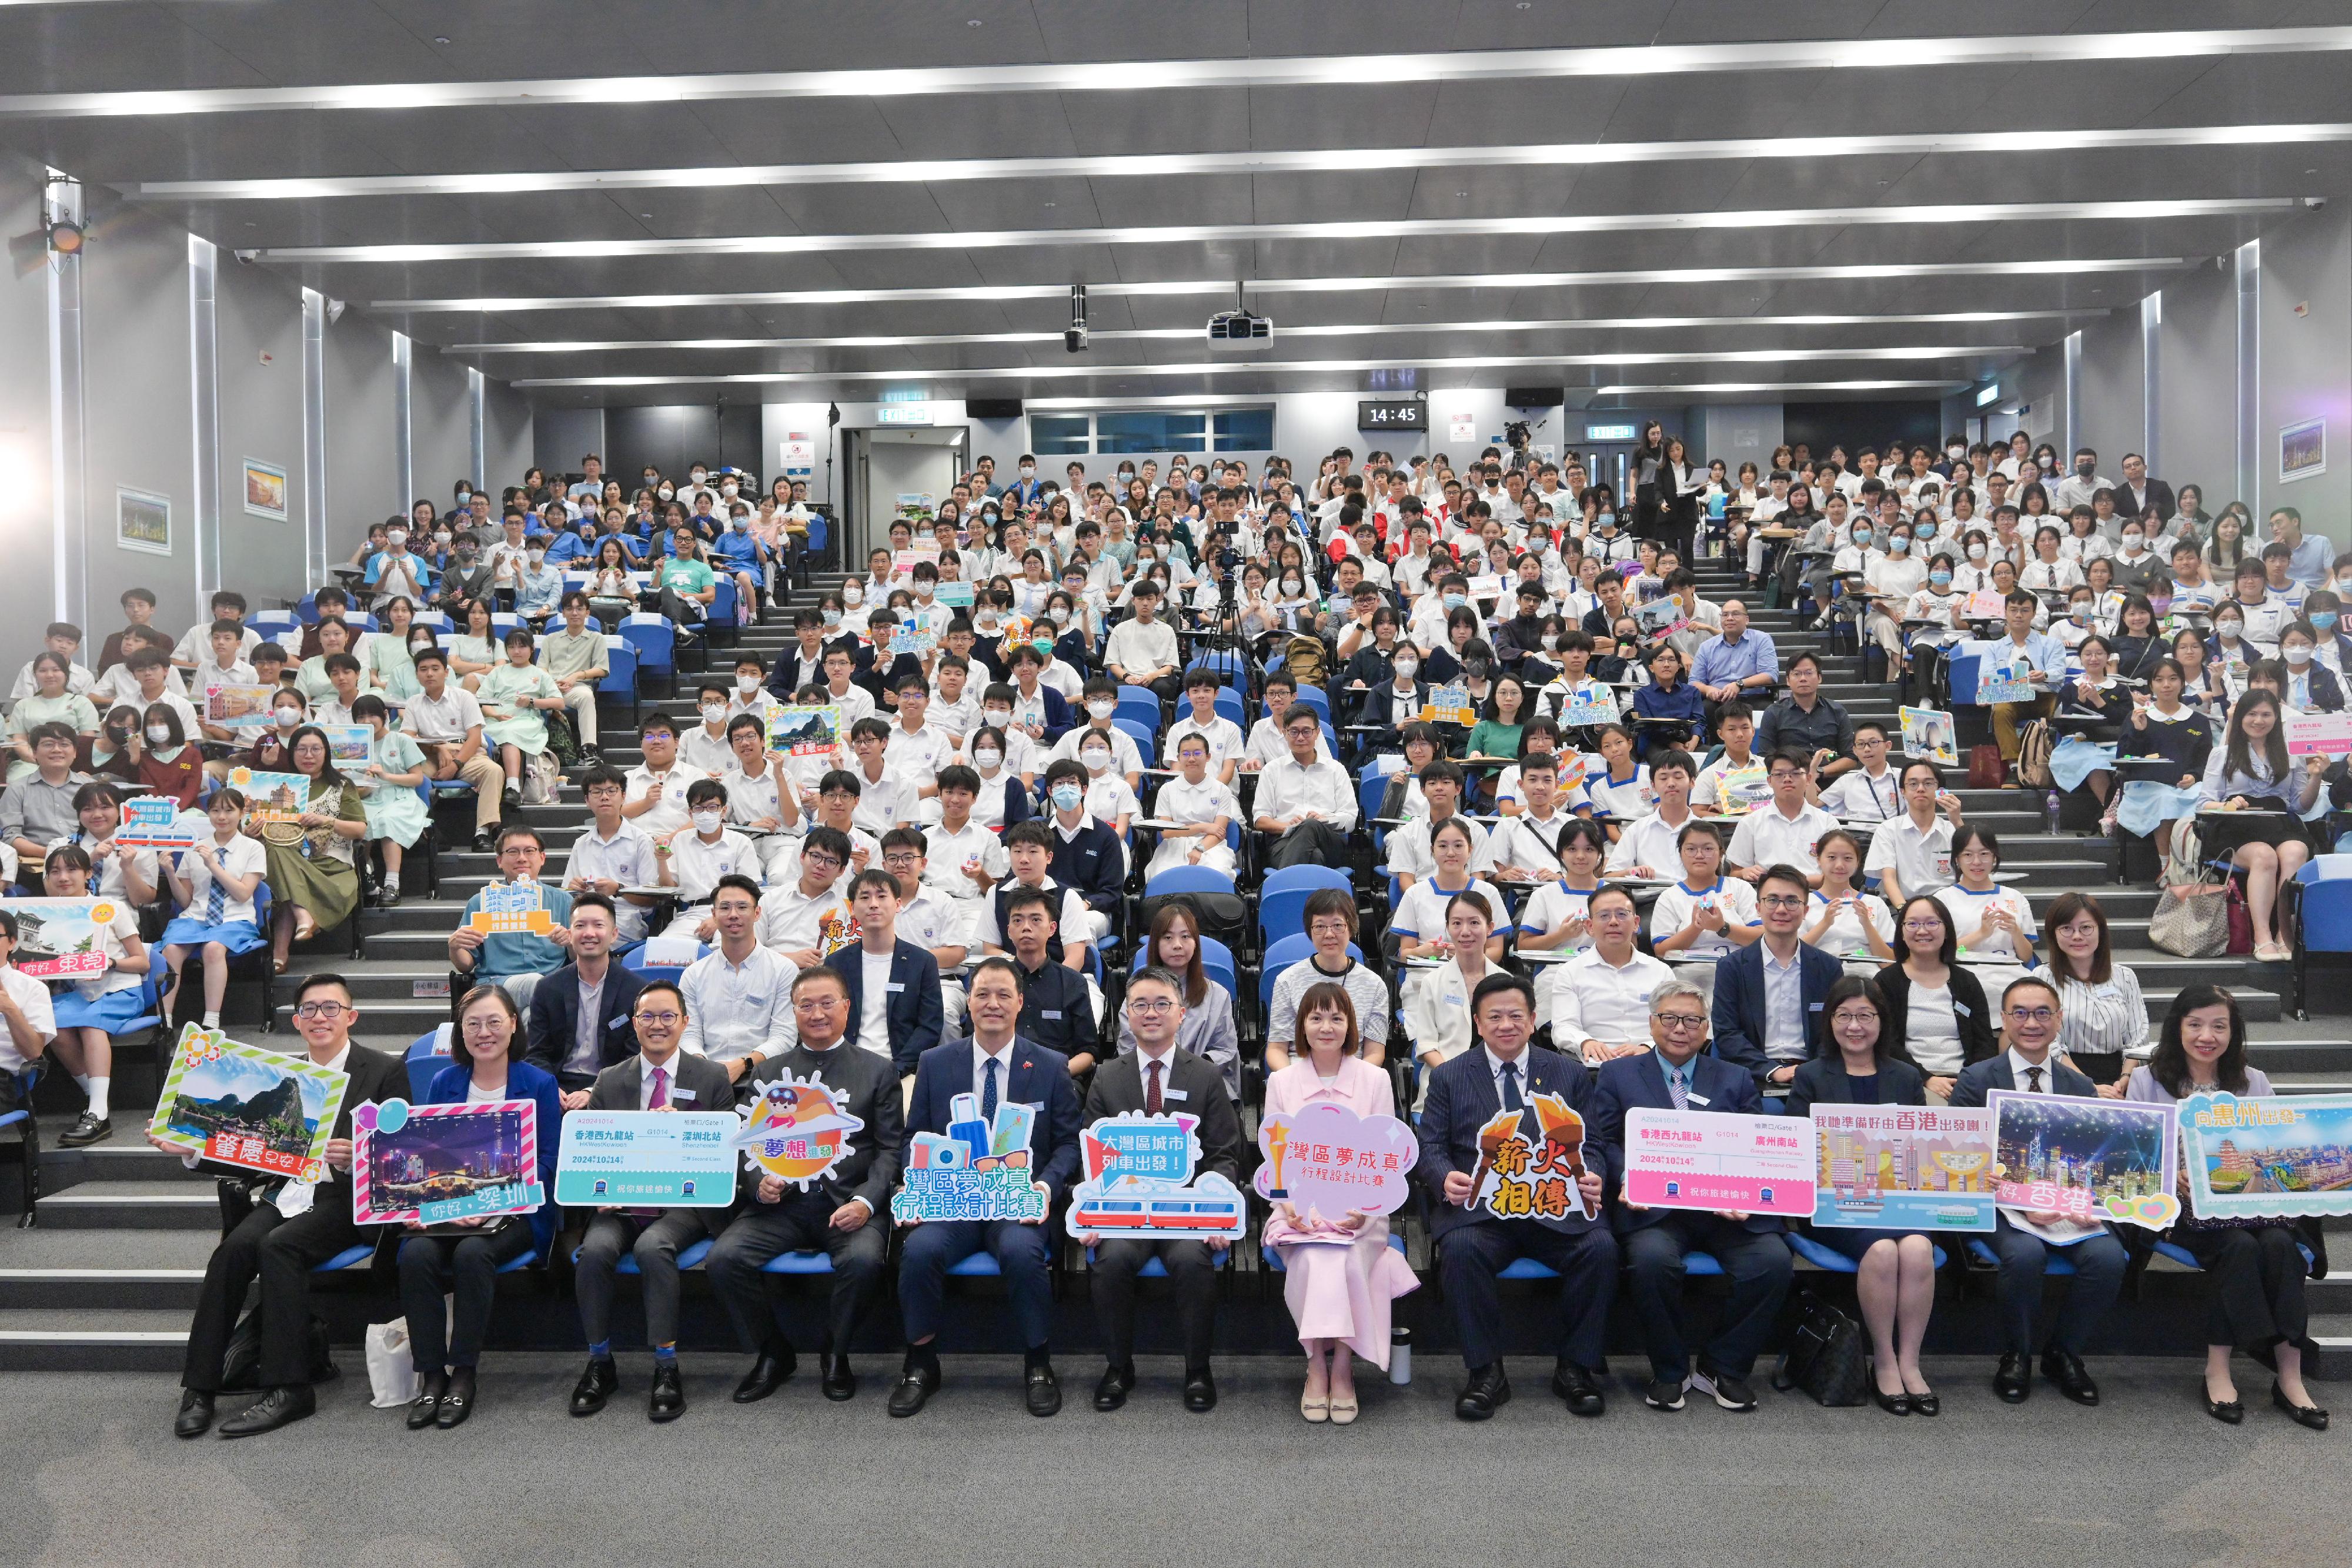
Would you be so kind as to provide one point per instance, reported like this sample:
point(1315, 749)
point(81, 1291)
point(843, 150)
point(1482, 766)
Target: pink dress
point(1339, 1293)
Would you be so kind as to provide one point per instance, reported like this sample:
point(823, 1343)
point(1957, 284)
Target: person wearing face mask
point(1101, 707)
point(2078, 487)
point(537, 584)
point(2310, 686)
point(1890, 582)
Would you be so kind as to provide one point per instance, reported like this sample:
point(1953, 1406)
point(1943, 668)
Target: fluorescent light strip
point(1193, 76)
point(1942, 214)
point(1244, 367)
point(1191, 334)
point(2054, 267)
point(1713, 388)
point(947, 171)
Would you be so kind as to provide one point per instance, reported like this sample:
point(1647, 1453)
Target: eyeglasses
point(1150, 1007)
point(1856, 1018)
point(1781, 901)
point(1923, 925)
point(323, 1009)
point(2031, 1015)
point(663, 1019)
point(821, 859)
point(1680, 1021)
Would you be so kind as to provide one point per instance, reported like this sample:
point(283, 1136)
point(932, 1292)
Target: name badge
point(1813, 1007)
point(1054, 1013)
point(1694, 1099)
point(1961, 1008)
point(895, 986)
point(681, 1095)
point(1174, 1094)
point(621, 1022)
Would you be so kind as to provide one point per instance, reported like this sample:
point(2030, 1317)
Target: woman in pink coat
point(1339, 1294)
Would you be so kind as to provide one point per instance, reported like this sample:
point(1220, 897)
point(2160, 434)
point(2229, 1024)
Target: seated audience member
point(704, 747)
point(697, 855)
point(752, 784)
point(1771, 996)
point(1911, 854)
point(1057, 1006)
point(576, 659)
point(2253, 1273)
point(2107, 1015)
point(89, 1010)
point(1156, 1075)
point(1201, 717)
point(1556, 917)
point(1029, 848)
point(38, 809)
point(1442, 785)
point(133, 875)
point(446, 722)
point(1870, 791)
point(1208, 1028)
point(445, 1343)
point(611, 852)
point(942, 926)
point(314, 885)
point(1202, 809)
point(1419, 923)
point(845, 1216)
point(1435, 1010)
point(27, 1021)
point(515, 698)
point(1995, 919)
point(1936, 1008)
point(1704, 916)
point(276, 1232)
point(49, 709)
point(894, 985)
point(2251, 767)
point(1599, 1004)
point(1787, 829)
point(1088, 858)
point(1843, 920)
point(514, 959)
point(1897, 1281)
point(839, 794)
point(738, 1006)
point(996, 1064)
point(1809, 724)
point(582, 1017)
point(1329, 915)
point(397, 814)
point(1649, 849)
point(1679, 1076)
point(660, 1077)
point(2030, 1014)
point(1466, 1095)
point(800, 917)
point(655, 800)
point(1338, 1295)
point(1713, 794)
point(1306, 803)
point(962, 858)
point(214, 883)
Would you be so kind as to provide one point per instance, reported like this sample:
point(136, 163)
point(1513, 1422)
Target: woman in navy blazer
point(1896, 1279)
point(464, 1256)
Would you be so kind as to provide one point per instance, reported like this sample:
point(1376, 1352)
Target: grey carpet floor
point(95, 1477)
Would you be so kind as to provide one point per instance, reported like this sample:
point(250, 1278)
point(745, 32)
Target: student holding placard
point(129, 873)
point(463, 1258)
point(90, 1009)
point(2253, 1273)
point(214, 883)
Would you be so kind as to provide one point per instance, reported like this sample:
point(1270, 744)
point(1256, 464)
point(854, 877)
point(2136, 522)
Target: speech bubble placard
point(1326, 1161)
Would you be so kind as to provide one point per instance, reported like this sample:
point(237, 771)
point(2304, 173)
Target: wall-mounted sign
point(1612, 432)
point(2302, 451)
point(1392, 413)
point(902, 413)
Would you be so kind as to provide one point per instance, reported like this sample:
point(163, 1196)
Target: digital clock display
point(1392, 413)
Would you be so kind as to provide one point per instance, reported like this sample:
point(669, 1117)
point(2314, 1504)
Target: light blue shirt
point(1721, 663)
point(2312, 561)
point(2040, 650)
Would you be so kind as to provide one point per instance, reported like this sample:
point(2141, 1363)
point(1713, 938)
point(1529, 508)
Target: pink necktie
point(660, 1102)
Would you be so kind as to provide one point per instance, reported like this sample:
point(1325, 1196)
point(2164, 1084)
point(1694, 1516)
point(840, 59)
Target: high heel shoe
point(1315, 1407)
point(2310, 1415)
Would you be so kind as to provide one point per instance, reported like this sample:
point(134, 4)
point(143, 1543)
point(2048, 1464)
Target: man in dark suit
point(581, 1021)
point(1679, 1076)
point(842, 1214)
point(1499, 1073)
point(1768, 994)
point(658, 1078)
point(996, 1065)
point(2137, 492)
point(288, 1229)
point(2030, 1014)
point(1158, 1078)
point(802, 663)
point(910, 1018)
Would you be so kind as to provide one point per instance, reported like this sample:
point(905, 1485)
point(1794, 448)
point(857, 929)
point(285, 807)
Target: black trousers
point(2254, 1279)
point(1470, 1257)
point(762, 1232)
point(1309, 843)
point(282, 1253)
point(1758, 1267)
point(2100, 1262)
point(1195, 1272)
point(466, 1265)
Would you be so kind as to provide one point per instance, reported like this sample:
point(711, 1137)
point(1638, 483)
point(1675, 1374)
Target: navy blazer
point(1091, 862)
point(1058, 716)
point(524, 1081)
point(554, 1020)
point(1630, 1082)
point(917, 1018)
point(1461, 1099)
point(1977, 1078)
point(1741, 1024)
point(1040, 1079)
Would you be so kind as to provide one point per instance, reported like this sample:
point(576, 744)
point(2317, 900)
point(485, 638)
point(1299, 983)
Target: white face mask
point(2297, 655)
point(2132, 543)
point(1096, 759)
point(747, 683)
point(923, 590)
point(853, 595)
point(440, 536)
point(997, 717)
point(395, 538)
point(1102, 707)
point(536, 557)
point(714, 713)
point(1407, 668)
point(986, 761)
point(1550, 642)
point(2228, 628)
point(287, 717)
point(1027, 472)
point(160, 734)
point(699, 474)
point(1976, 552)
point(707, 821)
point(727, 489)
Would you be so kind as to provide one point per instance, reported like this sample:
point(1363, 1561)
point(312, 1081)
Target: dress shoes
point(1487, 1391)
point(195, 1417)
point(768, 1374)
point(598, 1383)
point(1926, 1404)
point(2013, 1381)
point(667, 1401)
point(457, 1403)
point(2229, 1412)
point(280, 1407)
point(421, 1409)
point(1579, 1389)
point(1042, 1392)
point(2064, 1368)
point(1111, 1392)
point(2310, 1415)
point(913, 1390)
point(1200, 1390)
point(840, 1382)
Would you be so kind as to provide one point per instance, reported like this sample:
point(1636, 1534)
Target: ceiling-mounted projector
point(1240, 332)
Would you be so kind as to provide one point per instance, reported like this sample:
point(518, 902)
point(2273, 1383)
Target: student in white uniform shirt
point(1436, 1002)
point(1108, 799)
point(27, 1016)
point(1786, 829)
point(885, 800)
point(962, 859)
point(1646, 849)
point(657, 787)
point(1524, 845)
point(929, 918)
point(1022, 755)
point(798, 917)
point(704, 747)
point(1598, 1003)
point(1556, 917)
point(1033, 857)
point(697, 855)
point(837, 808)
point(954, 705)
point(1419, 921)
point(614, 854)
point(1222, 735)
point(1704, 915)
point(1202, 807)
point(1102, 707)
point(1842, 918)
point(914, 748)
point(1266, 747)
point(754, 786)
point(1911, 855)
point(1872, 792)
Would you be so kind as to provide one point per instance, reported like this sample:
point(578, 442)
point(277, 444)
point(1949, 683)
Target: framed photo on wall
point(265, 489)
point(2303, 450)
point(142, 521)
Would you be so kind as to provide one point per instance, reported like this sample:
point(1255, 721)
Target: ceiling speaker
point(992, 408)
point(1534, 397)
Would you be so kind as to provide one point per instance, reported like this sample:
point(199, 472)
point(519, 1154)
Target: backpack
point(2034, 744)
point(1304, 658)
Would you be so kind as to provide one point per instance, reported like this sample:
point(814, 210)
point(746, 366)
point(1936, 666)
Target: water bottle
point(1399, 1355)
point(2050, 813)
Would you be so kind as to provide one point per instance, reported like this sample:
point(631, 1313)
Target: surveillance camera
point(1075, 340)
point(335, 308)
point(246, 256)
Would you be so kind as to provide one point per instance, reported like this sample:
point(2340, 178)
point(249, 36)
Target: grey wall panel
point(2114, 413)
point(135, 343)
point(2306, 363)
point(2196, 382)
point(362, 486)
point(560, 437)
point(508, 435)
point(441, 413)
point(27, 596)
point(2038, 379)
point(259, 312)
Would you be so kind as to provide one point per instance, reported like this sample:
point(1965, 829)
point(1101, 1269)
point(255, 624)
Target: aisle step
point(93, 1340)
point(190, 1204)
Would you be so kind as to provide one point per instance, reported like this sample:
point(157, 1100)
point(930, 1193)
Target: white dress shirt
point(739, 1009)
point(1324, 787)
point(1593, 1000)
point(1765, 837)
point(1784, 1005)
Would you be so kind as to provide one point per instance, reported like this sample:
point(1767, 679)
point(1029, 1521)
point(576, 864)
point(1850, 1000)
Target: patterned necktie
point(1511, 1101)
point(2033, 1080)
point(215, 903)
point(660, 1100)
point(988, 1093)
point(1150, 1092)
point(1678, 1087)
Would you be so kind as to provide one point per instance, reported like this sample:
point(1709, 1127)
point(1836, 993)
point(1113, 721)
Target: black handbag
point(1827, 1355)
